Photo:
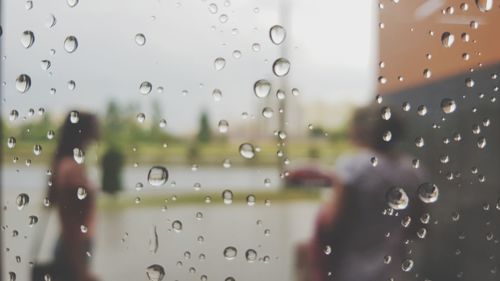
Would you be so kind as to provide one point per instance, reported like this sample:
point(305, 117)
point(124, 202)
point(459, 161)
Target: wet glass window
point(250, 140)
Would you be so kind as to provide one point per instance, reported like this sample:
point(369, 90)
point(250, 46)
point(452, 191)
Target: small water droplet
point(11, 142)
point(227, 196)
point(407, 265)
point(212, 8)
point(74, 117)
point(217, 95)
point(153, 240)
point(177, 226)
point(32, 220)
point(45, 64)
point(386, 113)
point(50, 21)
point(219, 63)
point(14, 114)
point(140, 39)
point(70, 44)
point(27, 38)
point(72, 3)
point(251, 255)
point(469, 82)
point(223, 126)
point(267, 112)
point(157, 175)
point(81, 193)
point(37, 149)
point(78, 155)
point(277, 34)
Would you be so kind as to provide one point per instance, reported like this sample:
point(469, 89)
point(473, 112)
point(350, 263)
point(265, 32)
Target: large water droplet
point(448, 105)
point(140, 39)
point(397, 198)
point(219, 63)
point(262, 88)
point(157, 176)
point(27, 39)
point(155, 272)
point(277, 34)
point(447, 39)
point(230, 253)
point(145, 88)
point(281, 67)
point(428, 192)
point(23, 83)
point(22, 200)
point(484, 5)
point(78, 155)
point(247, 150)
point(70, 44)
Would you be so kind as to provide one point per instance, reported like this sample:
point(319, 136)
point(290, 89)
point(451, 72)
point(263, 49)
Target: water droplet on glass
point(427, 73)
point(50, 21)
point(227, 196)
point(45, 64)
point(223, 126)
point(251, 200)
point(387, 259)
point(11, 142)
point(397, 198)
point(72, 3)
point(141, 117)
point(212, 8)
point(448, 105)
point(217, 95)
point(230, 253)
point(219, 63)
point(262, 88)
point(32, 220)
point(481, 142)
point(70, 44)
point(256, 47)
point(223, 18)
point(247, 150)
point(267, 112)
point(484, 5)
point(71, 85)
point(22, 200)
point(27, 38)
point(14, 114)
point(81, 193)
point(140, 39)
point(387, 136)
point(37, 149)
point(386, 113)
point(277, 34)
point(428, 192)
point(469, 82)
point(281, 67)
point(155, 272)
point(74, 117)
point(447, 39)
point(422, 110)
point(327, 250)
point(78, 155)
point(157, 176)
point(177, 226)
point(23, 83)
point(251, 255)
point(145, 88)
point(407, 265)
point(153, 240)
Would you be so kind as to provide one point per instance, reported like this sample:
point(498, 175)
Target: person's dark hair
point(368, 128)
point(76, 135)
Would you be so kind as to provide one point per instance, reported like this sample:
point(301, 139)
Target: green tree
point(204, 133)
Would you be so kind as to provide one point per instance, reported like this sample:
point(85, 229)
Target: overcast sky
point(331, 46)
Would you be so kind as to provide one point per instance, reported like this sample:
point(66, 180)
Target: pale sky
point(331, 46)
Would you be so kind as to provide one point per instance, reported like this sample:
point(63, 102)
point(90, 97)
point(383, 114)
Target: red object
point(308, 177)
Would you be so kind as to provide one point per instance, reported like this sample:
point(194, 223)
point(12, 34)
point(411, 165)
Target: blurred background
point(196, 87)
